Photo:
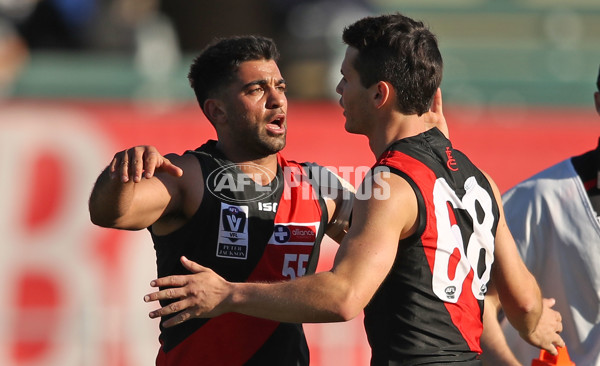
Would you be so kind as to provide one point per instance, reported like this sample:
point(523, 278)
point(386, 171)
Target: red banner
point(73, 291)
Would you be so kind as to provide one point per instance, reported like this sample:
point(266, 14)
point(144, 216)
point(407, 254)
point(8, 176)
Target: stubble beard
point(273, 144)
point(263, 145)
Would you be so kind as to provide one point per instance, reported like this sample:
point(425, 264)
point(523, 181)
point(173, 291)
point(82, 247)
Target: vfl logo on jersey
point(233, 232)
point(295, 233)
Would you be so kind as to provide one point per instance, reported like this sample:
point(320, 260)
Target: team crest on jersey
point(233, 232)
point(295, 233)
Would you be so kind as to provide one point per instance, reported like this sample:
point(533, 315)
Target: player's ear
point(215, 111)
point(382, 93)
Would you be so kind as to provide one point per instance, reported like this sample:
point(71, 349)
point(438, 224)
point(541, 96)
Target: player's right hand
point(201, 294)
point(133, 162)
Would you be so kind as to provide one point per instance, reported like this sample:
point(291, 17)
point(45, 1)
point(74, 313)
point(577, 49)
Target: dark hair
point(219, 61)
point(401, 51)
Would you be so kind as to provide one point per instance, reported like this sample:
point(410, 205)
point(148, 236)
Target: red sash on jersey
point(466, 313)
point(298, 217)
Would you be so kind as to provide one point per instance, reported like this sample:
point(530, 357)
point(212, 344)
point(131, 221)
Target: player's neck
point(399, 127)
point(262, 168)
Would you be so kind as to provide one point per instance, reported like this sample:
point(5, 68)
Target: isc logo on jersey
point(233, 232)
point(295, 233)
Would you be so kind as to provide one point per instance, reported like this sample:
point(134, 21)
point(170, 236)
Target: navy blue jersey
point(429, 308)
point(244, 232)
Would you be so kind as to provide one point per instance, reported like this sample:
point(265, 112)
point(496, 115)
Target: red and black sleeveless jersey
point(429, 308)
point(245, 232)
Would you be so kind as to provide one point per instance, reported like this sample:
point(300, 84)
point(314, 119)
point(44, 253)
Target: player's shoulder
point(192, 171)
point(184, 159)
point(382, 185)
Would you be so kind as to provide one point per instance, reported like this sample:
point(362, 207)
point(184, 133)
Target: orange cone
point(547, 359)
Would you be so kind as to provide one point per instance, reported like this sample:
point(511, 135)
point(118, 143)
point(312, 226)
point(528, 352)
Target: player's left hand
point(198, 295)
point(547, 332)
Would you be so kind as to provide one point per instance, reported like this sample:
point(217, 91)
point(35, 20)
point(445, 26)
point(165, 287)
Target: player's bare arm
point(361, 265)
point(517, 288)
point(493, 344)
point(138, 187)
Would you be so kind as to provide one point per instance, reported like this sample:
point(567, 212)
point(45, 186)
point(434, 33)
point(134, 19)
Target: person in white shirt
point(554, 218)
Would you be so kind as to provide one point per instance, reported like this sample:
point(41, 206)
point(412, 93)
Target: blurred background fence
point(82, 79)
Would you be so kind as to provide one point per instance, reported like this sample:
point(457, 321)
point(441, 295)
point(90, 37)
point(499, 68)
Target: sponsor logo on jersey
point(267, 206)
point(281, 234)
point(295, 233)
point(233, 232)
